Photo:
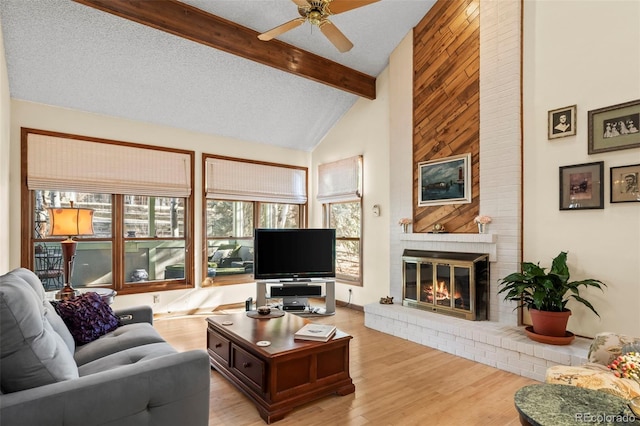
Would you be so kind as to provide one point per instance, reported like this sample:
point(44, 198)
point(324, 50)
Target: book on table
point(315, 332)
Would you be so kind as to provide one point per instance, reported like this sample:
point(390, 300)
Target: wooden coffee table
point(286, 373)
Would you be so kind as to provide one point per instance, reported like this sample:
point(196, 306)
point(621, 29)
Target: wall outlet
point(156, 298)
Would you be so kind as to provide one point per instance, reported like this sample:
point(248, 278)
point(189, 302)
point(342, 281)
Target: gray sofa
point(129, 376)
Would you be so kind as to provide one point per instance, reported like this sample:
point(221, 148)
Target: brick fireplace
point(498, 341)
point(448, 283)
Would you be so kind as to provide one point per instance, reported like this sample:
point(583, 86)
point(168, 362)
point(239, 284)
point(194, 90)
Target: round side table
point(560, 405)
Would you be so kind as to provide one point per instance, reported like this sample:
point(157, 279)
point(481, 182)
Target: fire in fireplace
point(455, 284)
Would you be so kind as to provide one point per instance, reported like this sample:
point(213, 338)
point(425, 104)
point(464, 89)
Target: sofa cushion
point(32, 279)
point(32, 354)
point(593, 376)
point(122, 338)
point(607, 346)
point(126, 357)
point(87, 316)
point(49, 312)
point(59, 326)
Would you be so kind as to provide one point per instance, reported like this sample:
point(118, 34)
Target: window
point(279, 216)
point(339, 189)
point(140, 241)
point(154, 238)
point(229, 239)
point(242, 196)
point(346, 218)
point(230, 226)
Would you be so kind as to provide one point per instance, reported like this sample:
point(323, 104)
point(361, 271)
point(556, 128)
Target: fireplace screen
point(446, 282)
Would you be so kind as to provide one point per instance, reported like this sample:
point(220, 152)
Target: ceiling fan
point(317, 13)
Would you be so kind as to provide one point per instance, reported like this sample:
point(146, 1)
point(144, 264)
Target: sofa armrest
point(168, 390)
point(135, 314)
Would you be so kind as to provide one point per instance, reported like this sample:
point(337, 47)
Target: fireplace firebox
point(450, 283)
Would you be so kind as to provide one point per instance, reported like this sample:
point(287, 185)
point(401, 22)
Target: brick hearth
point(495, 344)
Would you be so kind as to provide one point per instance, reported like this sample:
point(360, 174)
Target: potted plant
point(546, 294)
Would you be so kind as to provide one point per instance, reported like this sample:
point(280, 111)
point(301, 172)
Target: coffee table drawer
point(249, 367)
point(218, 345)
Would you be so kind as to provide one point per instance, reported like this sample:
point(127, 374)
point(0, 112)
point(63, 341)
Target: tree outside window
point(346, 218)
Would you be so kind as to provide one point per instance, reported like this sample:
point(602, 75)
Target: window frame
point(326, 221)
point(118, 237)
point(247, 277)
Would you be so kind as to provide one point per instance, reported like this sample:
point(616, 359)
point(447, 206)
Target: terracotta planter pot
point(550, 323)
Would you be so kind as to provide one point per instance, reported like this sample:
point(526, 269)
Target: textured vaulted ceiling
point(66, 54)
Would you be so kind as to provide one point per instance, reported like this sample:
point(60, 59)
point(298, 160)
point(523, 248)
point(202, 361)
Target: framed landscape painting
point(581, 186)
point(445, 181)
point(614, 127)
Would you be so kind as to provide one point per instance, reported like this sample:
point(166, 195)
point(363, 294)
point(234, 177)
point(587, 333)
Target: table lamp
point(69, 222)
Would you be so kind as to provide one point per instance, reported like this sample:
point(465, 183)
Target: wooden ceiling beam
point(199, 26)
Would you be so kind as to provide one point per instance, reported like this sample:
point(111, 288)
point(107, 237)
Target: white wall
point(4, 161)
point(38, 116)
point(585, 53)
point(364, 130)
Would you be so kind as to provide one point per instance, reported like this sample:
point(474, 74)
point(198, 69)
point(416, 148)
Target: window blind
point(66, 164)
point(340, 180)
point(242, 181)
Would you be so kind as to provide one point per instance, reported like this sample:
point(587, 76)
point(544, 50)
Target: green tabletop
point(559, 405)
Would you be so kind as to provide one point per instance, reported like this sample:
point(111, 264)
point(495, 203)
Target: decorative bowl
point(264, 310)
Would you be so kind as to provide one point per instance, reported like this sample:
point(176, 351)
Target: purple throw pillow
point(87, 317)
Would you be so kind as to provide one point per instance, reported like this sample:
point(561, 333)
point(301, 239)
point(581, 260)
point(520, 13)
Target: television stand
point(292, 288)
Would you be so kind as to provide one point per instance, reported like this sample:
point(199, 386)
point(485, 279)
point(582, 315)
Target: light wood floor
point(398, 382)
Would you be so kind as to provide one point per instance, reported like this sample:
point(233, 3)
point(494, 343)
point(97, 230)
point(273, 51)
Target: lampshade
point(70, 221)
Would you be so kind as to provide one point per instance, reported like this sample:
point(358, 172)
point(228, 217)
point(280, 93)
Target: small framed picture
point(614, 127)
point(624, 184)
point(562, 122)
point(445, 181)
point(581, 186)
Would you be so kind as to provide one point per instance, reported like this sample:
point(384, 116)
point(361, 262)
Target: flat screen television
point(296, 254)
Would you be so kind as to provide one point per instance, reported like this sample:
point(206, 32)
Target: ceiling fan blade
point(275, 32)
point(339, 6)
point(335, 36)
point(301, 3)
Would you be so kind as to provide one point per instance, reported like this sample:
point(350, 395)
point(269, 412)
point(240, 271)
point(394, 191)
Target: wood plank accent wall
point(446, 104)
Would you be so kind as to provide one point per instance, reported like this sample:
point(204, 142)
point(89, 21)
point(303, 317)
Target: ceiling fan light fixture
point(315, 17)
point(317, 12)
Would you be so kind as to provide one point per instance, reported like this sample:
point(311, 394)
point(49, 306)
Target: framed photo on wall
point(625, 184)
point(581, 186)
point(614, 127)
point(445, 181)
point(562, 122)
